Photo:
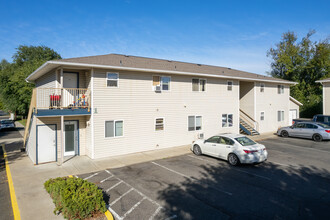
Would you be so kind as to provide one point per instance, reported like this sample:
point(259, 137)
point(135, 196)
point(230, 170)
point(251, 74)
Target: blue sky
point(234, 34)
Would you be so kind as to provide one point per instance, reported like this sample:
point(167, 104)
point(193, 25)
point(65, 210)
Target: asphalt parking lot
point(293, 184)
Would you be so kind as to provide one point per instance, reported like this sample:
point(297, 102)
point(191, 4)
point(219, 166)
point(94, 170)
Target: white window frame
point(227, 114)
point(262, 87)
point(156, 124)
point(280, 89)
point(160, 83)
point(282, 117)
point(106, 80)
point(231, 86)
point(195, 116)
point(199, 82)
point(262, 114)
point(114, 129)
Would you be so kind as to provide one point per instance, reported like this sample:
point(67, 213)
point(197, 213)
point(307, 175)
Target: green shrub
point(75, 198)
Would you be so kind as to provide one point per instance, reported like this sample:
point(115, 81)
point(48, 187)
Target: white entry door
point(292, 115)
point(70, 138)
point(70, 80)
point(46, 147)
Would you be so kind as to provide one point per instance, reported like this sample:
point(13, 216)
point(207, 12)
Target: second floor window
point(162, 81)
point(112, 79)
point(198, 85)
point(230, 85)
point(280, 89)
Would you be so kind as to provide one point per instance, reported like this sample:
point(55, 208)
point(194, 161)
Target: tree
point(304, 62)
point(15, 92)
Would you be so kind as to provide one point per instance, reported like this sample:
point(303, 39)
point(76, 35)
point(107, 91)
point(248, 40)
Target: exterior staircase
point(246, 129)
point(247, 124)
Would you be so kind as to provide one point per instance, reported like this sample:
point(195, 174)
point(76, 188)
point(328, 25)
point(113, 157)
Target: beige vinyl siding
point(46, 81)
point(31, 142)
point(88, 149)
point(57, 121)
point(247, 98)
point(326, 98)
point(138, 106)
point(270, 102)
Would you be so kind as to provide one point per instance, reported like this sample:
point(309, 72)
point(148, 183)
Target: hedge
point(75, 198)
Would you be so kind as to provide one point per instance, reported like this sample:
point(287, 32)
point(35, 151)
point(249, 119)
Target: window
point(162, 81)
point(230, 85)
point(159, 124)
point(280, 89)
point(214, 139)
point(112, 79)
point(226, 141)
point(262, 87)
point(198, 85)
point(227, 120)
point(194, 123)
point(113, 128)
point(262, 116)
point(311, 126)
point(280, 115)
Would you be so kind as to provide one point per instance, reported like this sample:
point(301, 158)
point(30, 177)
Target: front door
point(70, 138)
point(292, 115)
point(70, 93)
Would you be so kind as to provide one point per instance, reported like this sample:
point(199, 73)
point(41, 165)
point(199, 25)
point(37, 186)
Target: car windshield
point(6, 122)
point(244, 141)
point(323, 125)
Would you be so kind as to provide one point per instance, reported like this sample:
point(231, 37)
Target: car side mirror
point(204, 141)
point(291, 127)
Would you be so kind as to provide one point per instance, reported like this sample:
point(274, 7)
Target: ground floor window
point(194, 123)
point(280, 115)
point(114, 128)
point(227, 120)
point(159, 126)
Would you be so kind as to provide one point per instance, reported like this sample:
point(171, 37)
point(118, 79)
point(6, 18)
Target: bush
point(75, 198)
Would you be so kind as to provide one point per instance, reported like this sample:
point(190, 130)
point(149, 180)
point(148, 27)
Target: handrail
point(244, 115)
point(28, 120)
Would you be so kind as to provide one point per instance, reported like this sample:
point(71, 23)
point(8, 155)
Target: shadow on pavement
point(289, 193)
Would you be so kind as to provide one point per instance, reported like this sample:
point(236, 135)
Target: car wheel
point(233, 159)
point(284, 134)
point(317, 137)
point(197, 150)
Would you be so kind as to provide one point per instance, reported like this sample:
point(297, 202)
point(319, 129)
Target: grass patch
point(75, 198)
point(22, 121)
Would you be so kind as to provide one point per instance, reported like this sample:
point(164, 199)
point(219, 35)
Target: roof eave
point(295, 101)
point(59, 63)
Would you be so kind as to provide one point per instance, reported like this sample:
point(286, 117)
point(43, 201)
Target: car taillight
point(250, 151)
point(328, 131)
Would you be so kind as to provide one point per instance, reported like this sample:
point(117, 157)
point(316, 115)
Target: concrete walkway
point(33, 200)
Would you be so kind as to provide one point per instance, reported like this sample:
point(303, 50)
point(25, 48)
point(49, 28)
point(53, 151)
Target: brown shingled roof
point(160, 64)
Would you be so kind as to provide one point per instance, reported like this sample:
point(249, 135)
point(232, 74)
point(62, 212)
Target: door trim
point(37, 141)
point(64, 72)
point(78, 144)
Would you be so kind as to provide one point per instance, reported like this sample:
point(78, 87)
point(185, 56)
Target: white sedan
point(235, 148)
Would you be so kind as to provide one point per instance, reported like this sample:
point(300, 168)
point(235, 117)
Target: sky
point(235, 34)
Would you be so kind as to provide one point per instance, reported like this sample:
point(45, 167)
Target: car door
point(223, 148)
point(297, 131)
point(209, 145)
point(309, 130)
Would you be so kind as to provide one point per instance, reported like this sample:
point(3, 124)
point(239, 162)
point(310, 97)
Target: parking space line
point(121, 196)
point(90, 176)
point(263, 177)
point(172, 217)
point(155, 213)
point(181, 174)
point(106, 179)
point(114, 186)
point(191, 178)
point(134, 206)
point(117, 217)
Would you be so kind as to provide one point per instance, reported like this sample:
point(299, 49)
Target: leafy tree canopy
point(15, 92)
point(304, 62)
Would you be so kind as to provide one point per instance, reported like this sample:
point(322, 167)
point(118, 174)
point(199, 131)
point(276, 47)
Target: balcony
point(61, 101)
